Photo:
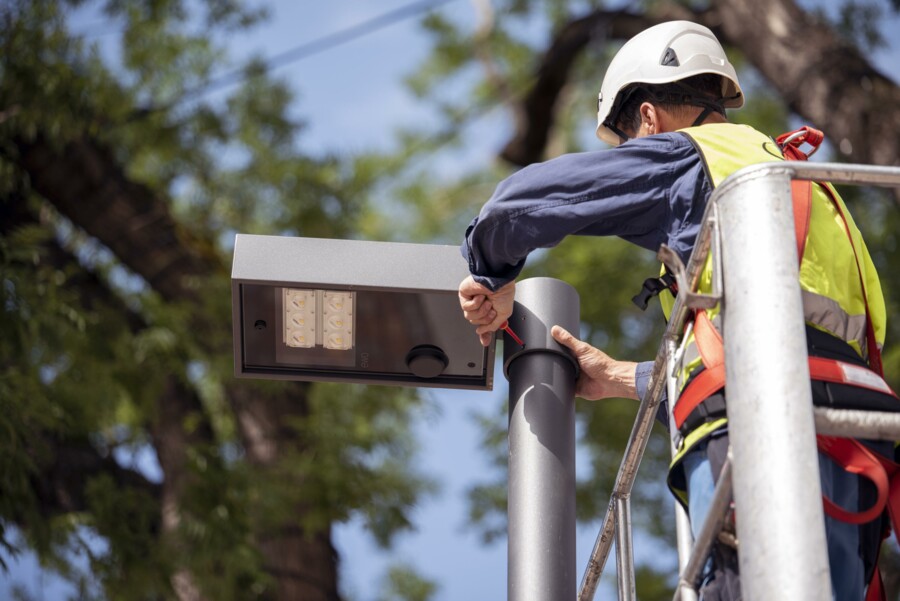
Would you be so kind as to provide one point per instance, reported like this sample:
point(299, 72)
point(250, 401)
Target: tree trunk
point(536, 115)
point(304, 562)
point(85, 184)
point(172, 441)
point(824, 79)
point(83, 181)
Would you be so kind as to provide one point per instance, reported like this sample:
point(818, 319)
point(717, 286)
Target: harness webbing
point(801, 193)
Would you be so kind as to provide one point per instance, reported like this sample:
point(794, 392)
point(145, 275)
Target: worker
point(662, 106)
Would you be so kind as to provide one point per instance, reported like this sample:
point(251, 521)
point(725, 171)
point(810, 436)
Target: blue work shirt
point(649, 191)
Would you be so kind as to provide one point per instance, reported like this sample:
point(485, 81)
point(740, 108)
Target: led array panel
point(337, 320)
point(318, 318)
point(299, 318)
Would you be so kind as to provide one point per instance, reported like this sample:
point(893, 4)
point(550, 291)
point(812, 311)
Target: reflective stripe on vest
point(828, 315)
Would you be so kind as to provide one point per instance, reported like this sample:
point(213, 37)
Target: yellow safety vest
point(829, 278)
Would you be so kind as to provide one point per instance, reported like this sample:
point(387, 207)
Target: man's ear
point(650, 118)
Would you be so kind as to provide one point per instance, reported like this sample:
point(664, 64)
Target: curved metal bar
point(715, 518)
point(624, 552)
point(852, 423)
point(835, 173)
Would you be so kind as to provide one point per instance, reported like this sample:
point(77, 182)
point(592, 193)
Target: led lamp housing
point(353, 311)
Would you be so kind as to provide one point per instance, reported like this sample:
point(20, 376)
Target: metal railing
point(750, 210)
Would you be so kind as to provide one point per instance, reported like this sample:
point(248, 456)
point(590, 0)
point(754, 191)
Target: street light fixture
point(353, 311)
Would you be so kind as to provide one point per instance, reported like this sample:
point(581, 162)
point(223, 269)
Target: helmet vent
point(670, 59)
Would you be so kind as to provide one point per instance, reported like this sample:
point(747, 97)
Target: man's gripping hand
point(486, 308)
point(601, 377)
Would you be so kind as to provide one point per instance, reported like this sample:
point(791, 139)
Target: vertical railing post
point(684, 541)
point(541, 501)
point(777, 494)
point(624, 549)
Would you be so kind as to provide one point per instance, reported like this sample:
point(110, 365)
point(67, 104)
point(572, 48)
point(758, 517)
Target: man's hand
point(486, 308)
point(602, 377)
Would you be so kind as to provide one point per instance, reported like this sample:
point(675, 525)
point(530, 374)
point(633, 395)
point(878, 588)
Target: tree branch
point(67, 465)
point(84, 182)
point(536, 116)
point(823, 78)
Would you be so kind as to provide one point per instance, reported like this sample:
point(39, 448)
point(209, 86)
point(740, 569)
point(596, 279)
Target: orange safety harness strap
point(801, 190)
point(839, 372)
point(712, 378)
point(790, 142)
point(855, 458)
point(874, 353)
point(801, 193)
point(700, 388)
point(709, 340)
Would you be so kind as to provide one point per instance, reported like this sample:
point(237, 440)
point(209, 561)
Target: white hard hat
point(665, 53)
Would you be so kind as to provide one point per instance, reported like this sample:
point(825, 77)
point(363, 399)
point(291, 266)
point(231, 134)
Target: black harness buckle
point(652, 287)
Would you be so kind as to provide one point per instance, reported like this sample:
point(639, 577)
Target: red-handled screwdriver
point(505, 327)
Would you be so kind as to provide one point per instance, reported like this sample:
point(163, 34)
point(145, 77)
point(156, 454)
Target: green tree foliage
point(402, 584)
point(123, 182)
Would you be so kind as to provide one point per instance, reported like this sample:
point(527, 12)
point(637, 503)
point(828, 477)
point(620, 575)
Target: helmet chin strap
point(693, 97)
point(614, 113)
point(688, 97)
point(708, 108)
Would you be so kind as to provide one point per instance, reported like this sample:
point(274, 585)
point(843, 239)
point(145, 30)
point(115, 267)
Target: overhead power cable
point(321, 44)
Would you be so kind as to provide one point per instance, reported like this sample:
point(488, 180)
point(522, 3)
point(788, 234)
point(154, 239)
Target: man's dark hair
point(703, 90)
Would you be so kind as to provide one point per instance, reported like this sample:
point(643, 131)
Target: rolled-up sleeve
point(642, 373)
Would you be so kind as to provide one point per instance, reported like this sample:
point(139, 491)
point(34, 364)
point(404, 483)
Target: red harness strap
point(839, 372)
point(801, 193)
point(876, 587)
point(874, 353)
point(708, 339)
point(848, 453)
point(712, 378)
point(801, 190)
point(855, 458)
point(704, 385)
point(791, 141)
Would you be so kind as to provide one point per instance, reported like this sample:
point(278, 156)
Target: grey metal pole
point(541, 505)
point(777, 493)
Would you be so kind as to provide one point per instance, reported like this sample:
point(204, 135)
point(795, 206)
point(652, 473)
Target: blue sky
point(353, 99)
